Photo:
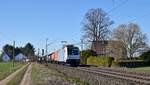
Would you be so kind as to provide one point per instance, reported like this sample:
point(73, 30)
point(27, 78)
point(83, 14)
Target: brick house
point(109, 48)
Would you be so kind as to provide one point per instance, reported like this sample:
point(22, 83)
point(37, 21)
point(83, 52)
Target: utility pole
point(46, 49)
point(113, 4)
point(38, 52)
point(42, 52)
point(38, 55)
point(81, 46)
point(64, 43)
point(13, 53)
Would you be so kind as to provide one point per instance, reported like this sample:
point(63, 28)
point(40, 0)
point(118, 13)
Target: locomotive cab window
point(73, 51)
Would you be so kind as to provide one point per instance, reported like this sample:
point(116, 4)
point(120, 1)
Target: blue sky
point(35, 20)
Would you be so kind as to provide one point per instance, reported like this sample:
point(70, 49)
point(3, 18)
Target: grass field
point(7, 68)
point(142, 69)
point(137, 69)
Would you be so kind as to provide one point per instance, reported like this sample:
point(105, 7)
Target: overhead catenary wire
point(142, 16)
point(123, 3)
point(113, 1)
point(116, 7)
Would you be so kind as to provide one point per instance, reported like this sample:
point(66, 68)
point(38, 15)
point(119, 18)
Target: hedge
point(129, 63)
point(85, 54)
point(100, 61)
point(146, 57)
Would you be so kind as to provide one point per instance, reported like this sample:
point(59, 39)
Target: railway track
point(117, 75)
point(140, 79)
point(126, 71)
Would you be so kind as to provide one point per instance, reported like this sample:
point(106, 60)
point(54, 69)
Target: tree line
point(28, 50)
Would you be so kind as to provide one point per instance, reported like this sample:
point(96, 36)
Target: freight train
point(69, 54)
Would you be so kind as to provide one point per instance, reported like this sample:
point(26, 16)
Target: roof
point(99, 46)
point(6, 57)
point(20, 56)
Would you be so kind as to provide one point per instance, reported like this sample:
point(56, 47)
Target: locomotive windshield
point(73, 51)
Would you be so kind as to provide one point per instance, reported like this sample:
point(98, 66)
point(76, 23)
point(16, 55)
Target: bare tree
point(133, 40)
point(96, 25)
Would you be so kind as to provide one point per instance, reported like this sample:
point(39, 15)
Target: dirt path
point(11, 76)
point(27, 77)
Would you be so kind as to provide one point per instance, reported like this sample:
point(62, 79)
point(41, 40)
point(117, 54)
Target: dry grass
point(42, 75)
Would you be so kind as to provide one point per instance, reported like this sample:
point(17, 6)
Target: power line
point(113, 1)
point(116, 7)
point(146, 14)
point(123, 3)
point(13, 54)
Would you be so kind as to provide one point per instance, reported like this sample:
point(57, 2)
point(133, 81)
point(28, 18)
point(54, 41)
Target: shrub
point(100, 61)
point(115, 64)
point(1, 58)
point(145, 56)
point(85, 54)
point(129, 63)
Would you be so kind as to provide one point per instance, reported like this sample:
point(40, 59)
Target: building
point(109, 48)
point(20, 57)
point(99, 47)
point(5, 58)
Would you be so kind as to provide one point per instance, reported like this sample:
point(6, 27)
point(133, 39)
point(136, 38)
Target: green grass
point(18, 77)
point(137, 69)
point(6, 68)
point(142, 69)
point(34, 74)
